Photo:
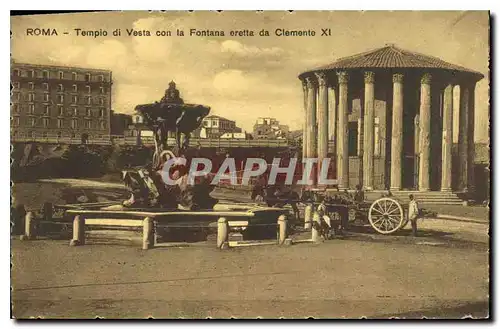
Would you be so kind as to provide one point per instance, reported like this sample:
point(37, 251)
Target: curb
point(461, 219)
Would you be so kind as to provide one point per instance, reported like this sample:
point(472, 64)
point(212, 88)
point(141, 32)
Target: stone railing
point(133, 140)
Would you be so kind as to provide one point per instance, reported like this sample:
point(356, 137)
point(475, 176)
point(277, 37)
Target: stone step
point(429, 198)
point(421, 194)
point(424, 194)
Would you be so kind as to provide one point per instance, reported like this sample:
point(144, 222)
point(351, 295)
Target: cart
point(386, 215)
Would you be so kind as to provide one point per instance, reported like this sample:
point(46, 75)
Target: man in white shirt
point(413, 214)
point(326, 229)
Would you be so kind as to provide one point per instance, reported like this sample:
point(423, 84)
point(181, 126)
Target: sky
point(244, 77)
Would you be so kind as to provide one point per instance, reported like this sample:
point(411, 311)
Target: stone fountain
point(170, 114)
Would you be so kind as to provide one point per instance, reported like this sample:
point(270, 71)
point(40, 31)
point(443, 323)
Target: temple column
point(369, 124)
point(397, 132)
point(305, 125)
point(470, 143)
point(463, 139)
point(332, 117)
point(311, 118)
point(447, 138)
point(416, 147)
point(425, 133)
point(322, 117)
point(342, 135)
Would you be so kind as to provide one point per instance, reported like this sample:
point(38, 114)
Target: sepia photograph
point(250, 164)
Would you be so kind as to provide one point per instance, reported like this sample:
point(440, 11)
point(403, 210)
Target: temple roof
point(391, 56)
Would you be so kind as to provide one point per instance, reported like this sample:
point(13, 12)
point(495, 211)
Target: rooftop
point(61, 67)
point(391, 56)
point(213, 116)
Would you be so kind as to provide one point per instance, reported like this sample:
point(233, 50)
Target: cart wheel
point(386, 216)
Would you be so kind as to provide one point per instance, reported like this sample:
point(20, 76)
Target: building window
point(60, 99)
point(31, 108)
point(101, 78)
point(31, 85)
point(87, 124)
point(101, 113)
point(101, 101)
point(15, 108)
point(60, 88)
point(88, 89)
point(75, 111)
point(89, 100)
point(17, 73)
point(87, 77)
point(101, 90)
point(31, 97)
point(32, 122)
point(102, 124)
point(74, 123)
point(45, 86)
point(15, 96)
point(31, 74)
point(16, 85)
point(14, 133)
point(135, 119)
point(59, 134)
point(46, 110)
point(75, 88)
point(45, 122)
point(89, 112)
point(45, 74)
point(74, 99)
point(32, 134)
point(61, 75)
point(46, 97)
point(44, 134)
point(73, 76)
point(15, 121)
point(60, 123)
point(60, 109)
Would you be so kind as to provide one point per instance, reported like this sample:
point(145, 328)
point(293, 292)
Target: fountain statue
point(170, 114)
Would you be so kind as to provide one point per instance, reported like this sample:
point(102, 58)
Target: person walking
point(413, 213)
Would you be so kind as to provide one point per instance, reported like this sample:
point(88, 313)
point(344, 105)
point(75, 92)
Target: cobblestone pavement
point(442, 273)
point(351, 277)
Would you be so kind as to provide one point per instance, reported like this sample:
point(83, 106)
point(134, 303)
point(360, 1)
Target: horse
point(276, 196)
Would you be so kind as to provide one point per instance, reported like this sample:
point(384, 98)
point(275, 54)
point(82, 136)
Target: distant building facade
point(214, 126)
point(269, 128)
point(60, 101)
point(241, 135)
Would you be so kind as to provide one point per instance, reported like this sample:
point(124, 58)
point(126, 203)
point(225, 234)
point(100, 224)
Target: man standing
point(413, 214)
point(326, 218)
